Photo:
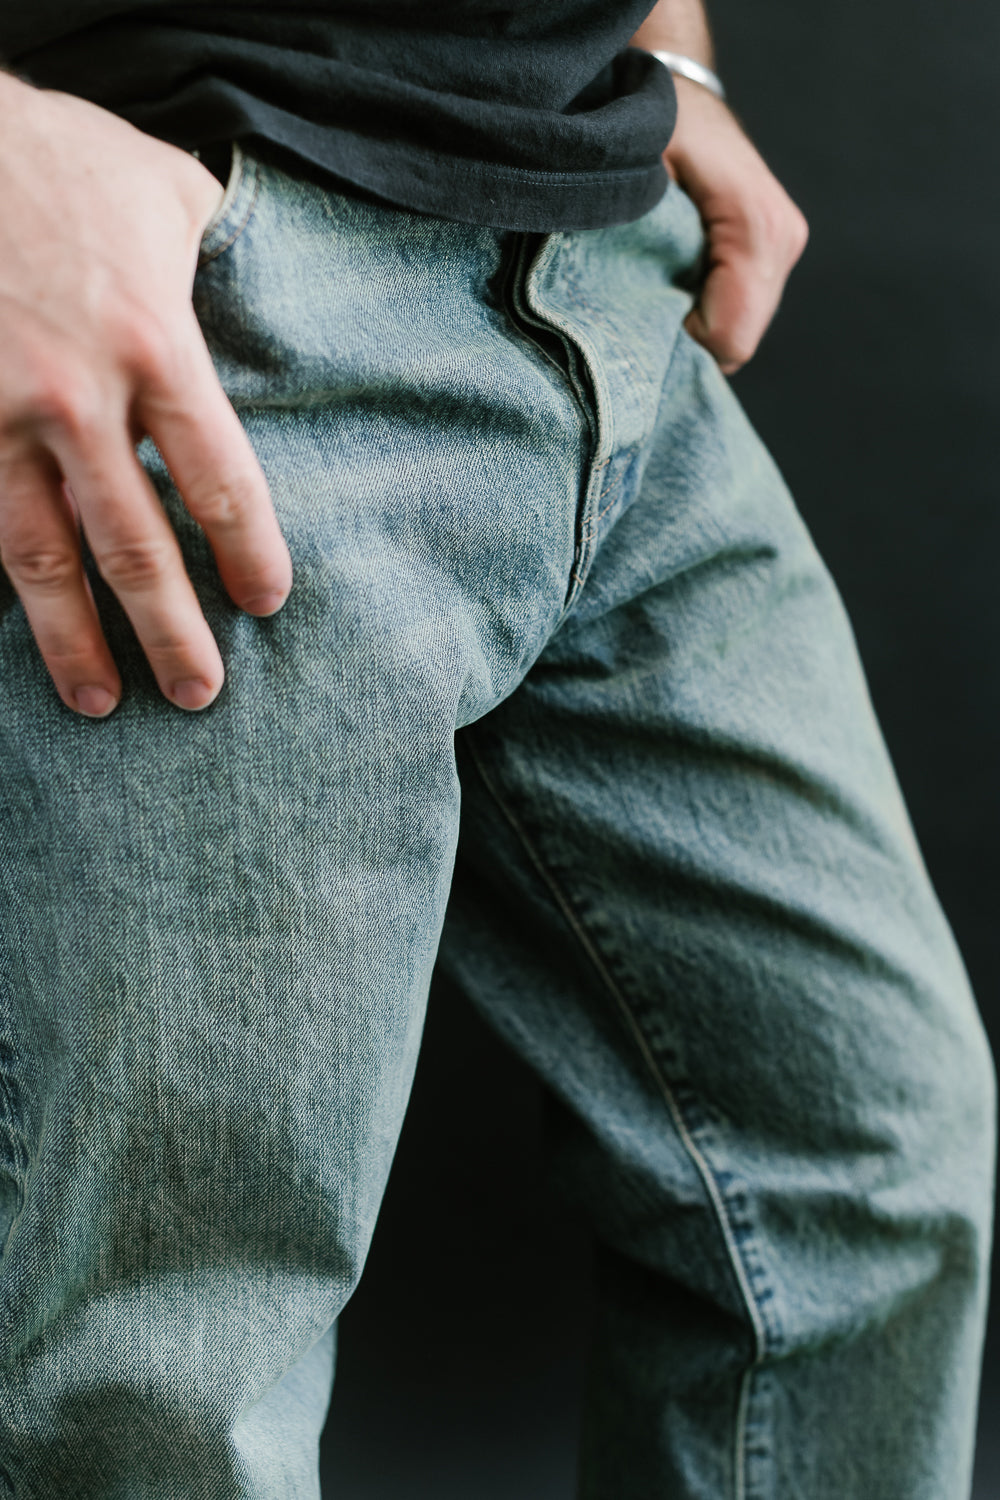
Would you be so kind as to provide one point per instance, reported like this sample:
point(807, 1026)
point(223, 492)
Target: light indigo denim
point(544, 568)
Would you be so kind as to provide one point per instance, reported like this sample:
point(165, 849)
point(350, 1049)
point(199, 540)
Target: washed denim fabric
point(549, 587)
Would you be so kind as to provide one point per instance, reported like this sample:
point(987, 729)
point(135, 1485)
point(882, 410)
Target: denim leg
point(688, 893)
point(217, 929)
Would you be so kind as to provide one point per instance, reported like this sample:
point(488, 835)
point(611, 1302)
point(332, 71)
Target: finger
point(737, 302)
point(70, 500)
point(40, 550)
point(189, 417)
point(138, 556)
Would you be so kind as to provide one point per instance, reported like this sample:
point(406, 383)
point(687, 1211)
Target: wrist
point(678, 26)
point(693, 71)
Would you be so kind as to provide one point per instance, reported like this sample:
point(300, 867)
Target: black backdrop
point(460, 1358)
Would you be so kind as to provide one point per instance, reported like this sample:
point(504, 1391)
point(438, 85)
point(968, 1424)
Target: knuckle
point(170, 652)
point(771, 219)
point(738, 349)
point(146, 347)
point(226, 504)
point(798, 231)
point(37, 566)
point(70, 403)
point(775, 222)
point(133, 564)
point(789, 229)
point(68, 656)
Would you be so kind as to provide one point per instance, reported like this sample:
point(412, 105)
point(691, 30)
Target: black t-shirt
point(522, 114)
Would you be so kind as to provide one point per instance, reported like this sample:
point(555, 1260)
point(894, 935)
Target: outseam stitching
point(15, 1135)
point(687, 1139)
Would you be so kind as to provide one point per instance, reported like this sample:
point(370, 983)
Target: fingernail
point(265, 604)
point(96, 702)
point(192, 693)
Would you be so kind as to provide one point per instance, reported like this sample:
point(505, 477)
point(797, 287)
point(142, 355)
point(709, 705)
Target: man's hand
point(755, 232)
point(99, 237)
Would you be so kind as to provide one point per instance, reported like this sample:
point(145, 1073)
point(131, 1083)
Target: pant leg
point(217, 929)
point(688, 893)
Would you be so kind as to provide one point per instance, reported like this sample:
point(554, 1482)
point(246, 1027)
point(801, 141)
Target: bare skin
point(755, 232)
point(98, 247)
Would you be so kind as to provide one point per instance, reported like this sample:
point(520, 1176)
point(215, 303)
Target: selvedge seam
point(701, 1163)
point(15, 1135)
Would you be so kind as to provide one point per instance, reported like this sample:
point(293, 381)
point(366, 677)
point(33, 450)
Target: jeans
point(564, 699)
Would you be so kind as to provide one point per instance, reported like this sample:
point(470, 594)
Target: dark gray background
point(460, 1360)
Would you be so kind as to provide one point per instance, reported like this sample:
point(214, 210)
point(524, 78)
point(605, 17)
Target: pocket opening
point(233, 213)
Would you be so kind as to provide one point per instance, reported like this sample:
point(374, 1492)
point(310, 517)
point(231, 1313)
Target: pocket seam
point(239, 201)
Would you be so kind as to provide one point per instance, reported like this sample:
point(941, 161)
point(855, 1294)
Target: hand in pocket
point(99, 241)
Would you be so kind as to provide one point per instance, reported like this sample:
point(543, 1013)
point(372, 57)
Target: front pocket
point(234, 212)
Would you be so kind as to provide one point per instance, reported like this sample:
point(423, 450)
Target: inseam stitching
point(687, 1139)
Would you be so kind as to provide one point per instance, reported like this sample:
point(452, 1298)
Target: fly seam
point(629, 359)
point(612, 490)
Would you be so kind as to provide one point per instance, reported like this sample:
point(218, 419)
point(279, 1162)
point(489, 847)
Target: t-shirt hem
point(495, 196)
point(464, 189)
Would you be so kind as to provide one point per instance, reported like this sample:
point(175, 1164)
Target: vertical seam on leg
point(690, 1144)
point(11, 1125)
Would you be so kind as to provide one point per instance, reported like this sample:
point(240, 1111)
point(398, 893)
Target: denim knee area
point(220, 927)
point(690, 793)
point(526, 516)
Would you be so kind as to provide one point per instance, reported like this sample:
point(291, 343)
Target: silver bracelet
point(696, 71)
